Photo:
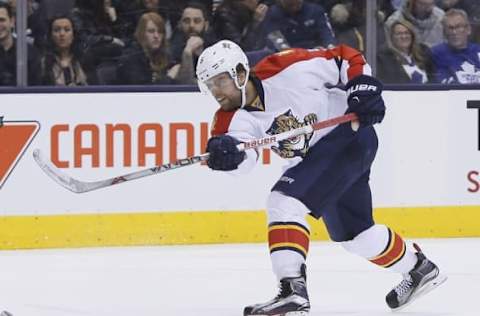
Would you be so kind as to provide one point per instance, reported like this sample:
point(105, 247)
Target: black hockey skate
point(423, 278)
point(291, 301)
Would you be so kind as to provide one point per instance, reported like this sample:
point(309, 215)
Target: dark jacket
point(134, 68)
point(8, 66)
point(234, 21)
point(390, 69)
point(306, 29)
point(96, 37)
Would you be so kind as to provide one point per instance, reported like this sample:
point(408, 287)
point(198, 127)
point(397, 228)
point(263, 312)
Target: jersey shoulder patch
point(221, 122)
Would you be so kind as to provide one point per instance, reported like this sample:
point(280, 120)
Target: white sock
point(288, 234)
point(382, 246)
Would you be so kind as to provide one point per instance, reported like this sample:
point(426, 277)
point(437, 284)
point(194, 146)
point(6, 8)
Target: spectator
point(470, 6)
point(457, 60)
point(404, 60)
point(61, 64)
point(425, 17)
point(385, 7)
point(147, 60)
point(302, 24)
point(165, 8)
point(8, 52)
point(240, 21)
point(189, 40)
point(36, 23)
point(349, 24)
point(179, 5)
point(98, 33)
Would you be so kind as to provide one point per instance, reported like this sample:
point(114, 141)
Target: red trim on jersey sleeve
point(273, 64)
point(355, 59)
point(221, 122)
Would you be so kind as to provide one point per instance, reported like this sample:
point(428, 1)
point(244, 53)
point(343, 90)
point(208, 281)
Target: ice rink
point(219, 280)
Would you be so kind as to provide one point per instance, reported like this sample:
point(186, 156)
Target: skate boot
point(423, 278)
point(291, 301)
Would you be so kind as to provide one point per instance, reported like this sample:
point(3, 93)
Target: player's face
point(6, 25)
point(457, 30)
point(62, 33)
point(401, 38)
point(153, 36)
point(193, 22)
point(225, 91)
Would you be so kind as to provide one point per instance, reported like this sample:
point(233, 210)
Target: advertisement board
point(428, 159)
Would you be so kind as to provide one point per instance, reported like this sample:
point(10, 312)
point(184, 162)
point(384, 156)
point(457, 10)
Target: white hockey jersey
point(295, 89)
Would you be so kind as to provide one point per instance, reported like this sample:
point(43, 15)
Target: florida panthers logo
point(293, 147)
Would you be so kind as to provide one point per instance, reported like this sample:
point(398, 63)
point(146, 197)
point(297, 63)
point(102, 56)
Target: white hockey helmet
point(223, 56)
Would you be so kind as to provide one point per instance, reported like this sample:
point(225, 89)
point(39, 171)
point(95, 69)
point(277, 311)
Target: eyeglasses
point(456, 28)
point(406, 33)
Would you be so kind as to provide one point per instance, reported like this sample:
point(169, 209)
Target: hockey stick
point(78, 186)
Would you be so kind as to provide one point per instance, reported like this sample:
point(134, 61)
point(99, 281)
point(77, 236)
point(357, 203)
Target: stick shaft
point(78, 186)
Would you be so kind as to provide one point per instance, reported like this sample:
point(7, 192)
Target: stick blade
point(58, 176)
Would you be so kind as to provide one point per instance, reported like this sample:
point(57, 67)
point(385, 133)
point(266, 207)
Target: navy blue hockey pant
point(332, 181)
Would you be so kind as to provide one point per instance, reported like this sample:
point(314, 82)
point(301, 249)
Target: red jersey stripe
point(221, 122)
point(273, 64)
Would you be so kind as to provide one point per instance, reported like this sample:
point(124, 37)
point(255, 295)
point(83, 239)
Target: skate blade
point(298, 313)
point(428, 287)
point(302, 313)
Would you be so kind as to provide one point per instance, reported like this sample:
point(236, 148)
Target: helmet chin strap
point(244, 96)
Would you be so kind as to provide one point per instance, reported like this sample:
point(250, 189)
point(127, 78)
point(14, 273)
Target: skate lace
point(285, 289)
point(404, 286)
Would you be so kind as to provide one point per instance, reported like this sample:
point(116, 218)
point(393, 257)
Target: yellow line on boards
point(180, 228)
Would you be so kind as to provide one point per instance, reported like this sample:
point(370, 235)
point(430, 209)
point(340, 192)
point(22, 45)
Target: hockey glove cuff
point(365, 99)
point(224, 154)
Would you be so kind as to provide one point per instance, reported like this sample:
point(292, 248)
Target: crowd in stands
point(142, 42)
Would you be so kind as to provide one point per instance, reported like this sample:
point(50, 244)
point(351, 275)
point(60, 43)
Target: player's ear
point(241, 77)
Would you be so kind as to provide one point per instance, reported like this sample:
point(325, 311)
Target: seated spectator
point(457, 60)
point(61, 64)
point(97, 32)
point(189, 39)
point(179, 5)
point(302, 24)
point(164, 8)
point(473, 9)
point(425, 17)
point(404, 60)
point(147, 60)
point(349, 23)
point(36, 23)
point(384, 7)
point(8, 52)
point(240, 21)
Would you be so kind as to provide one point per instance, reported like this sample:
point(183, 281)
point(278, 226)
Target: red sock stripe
point(292, 237)
point(393, 253)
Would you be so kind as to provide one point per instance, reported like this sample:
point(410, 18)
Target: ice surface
point(219, 280)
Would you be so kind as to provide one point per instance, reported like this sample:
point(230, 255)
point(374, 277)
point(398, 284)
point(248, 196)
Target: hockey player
point(328, 174)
